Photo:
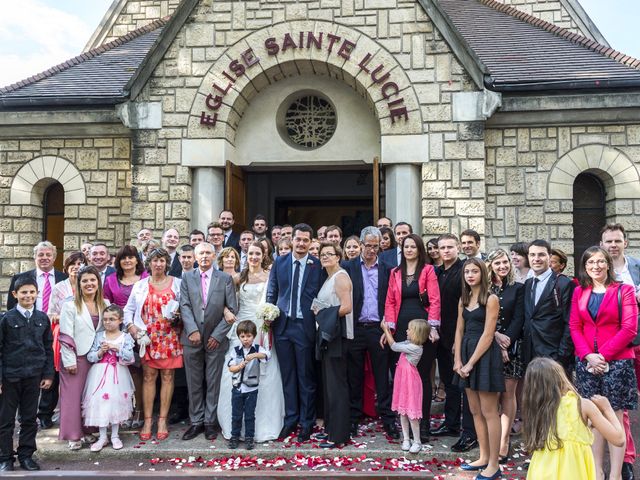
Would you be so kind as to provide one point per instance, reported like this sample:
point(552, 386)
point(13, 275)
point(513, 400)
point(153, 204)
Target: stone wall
point(138, 13)
point(551, 11)
point(453, 187)
point(522, 175)
point(104, 164)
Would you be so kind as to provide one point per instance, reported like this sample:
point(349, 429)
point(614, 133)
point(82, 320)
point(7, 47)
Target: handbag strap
point(620, 307)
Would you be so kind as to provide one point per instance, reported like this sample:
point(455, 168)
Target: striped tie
point(46, 292)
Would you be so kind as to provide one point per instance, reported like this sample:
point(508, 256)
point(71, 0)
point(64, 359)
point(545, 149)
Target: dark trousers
point(335, 387)
point(180, 399)
point(456, 400)
point(296, 355)
point(49, 399)
point(23, 395)
point(243, 405)
point(367, 339)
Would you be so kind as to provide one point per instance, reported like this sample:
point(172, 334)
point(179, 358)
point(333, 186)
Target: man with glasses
point(215, 236)
point(369, 278)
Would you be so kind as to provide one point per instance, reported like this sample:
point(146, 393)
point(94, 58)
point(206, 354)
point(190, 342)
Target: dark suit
point(634, 269)
point(232, 241)
point(390, 259)
point(546, 324)
point(11, 301)
point(176, 266)
point(295, 338)
point(367, 339)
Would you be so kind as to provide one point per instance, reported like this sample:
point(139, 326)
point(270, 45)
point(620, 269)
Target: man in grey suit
point(204, 293)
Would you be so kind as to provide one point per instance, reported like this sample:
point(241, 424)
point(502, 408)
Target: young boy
point(26, 366)
point(244, 365)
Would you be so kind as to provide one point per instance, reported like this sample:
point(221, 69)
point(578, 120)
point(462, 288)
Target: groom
point(293, 284)
point(204, 292)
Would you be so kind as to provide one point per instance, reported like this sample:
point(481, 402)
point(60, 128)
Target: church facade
point(511, 117)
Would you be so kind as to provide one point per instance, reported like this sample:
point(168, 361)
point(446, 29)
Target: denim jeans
point(243, 404)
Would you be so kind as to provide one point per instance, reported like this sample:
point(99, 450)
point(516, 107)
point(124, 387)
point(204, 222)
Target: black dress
point(410, 308)
point(487, 374)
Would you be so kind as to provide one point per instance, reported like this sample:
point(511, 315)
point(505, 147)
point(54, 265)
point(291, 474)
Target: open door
point(54, 220)
point(376, 190)
point(234, 194)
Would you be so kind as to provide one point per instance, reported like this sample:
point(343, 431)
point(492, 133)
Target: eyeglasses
point(328, 255)
point(591, 263)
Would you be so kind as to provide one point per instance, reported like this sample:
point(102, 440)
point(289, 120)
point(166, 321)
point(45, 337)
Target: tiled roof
point(94, 77)
point(523, 52)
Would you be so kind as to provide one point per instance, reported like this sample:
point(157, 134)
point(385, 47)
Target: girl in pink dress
point(407, 384)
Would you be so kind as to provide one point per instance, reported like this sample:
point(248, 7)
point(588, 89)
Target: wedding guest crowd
point(262, 332)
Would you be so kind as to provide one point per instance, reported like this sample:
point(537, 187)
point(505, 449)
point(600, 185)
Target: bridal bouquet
point(267, 312)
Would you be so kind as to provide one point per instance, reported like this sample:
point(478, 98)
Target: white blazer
point(139, 292)
point(78, 326)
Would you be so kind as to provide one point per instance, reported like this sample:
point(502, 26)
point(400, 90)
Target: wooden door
point(235, 195)
point(376, 190)
point(54, 220)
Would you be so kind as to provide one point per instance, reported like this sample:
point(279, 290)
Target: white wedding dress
point(270, 407)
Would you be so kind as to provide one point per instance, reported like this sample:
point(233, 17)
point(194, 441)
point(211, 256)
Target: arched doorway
point(589, 216)
point(53, 208)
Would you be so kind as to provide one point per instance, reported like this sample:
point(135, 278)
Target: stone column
point(403, 194)
point(208, 196)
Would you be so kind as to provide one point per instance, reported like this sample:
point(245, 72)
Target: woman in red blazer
point(413, 293)
point(602, 337)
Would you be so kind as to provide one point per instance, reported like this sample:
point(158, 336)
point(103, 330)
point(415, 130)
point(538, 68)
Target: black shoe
point(29, 464)
point(193, 431)
point(286, 431)
point(249, 443)
point(210, 432)
point(45, 423)
point(391, 430)
point(177, 417)
point(354, 432)
point(464, 444)
point(444, 431)
point(627, 471)
point(233, 443)
point(328, 445)
point(304, 435)
point(6, 466)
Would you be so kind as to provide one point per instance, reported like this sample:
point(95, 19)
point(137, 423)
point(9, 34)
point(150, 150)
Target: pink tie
point(46, 292)
point(204, 289)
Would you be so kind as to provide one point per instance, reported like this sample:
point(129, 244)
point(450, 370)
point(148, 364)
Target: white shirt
point(40, 280)
point(303, 265)
point(24, 310)
point(624, 275)
point(543, 278)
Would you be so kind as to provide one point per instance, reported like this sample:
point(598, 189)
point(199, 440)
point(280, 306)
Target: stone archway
point(617, 172)
point(355, 58)
point(31, 181)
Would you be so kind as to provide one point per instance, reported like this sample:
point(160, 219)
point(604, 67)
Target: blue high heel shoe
point(467, 467)
point(495, 476)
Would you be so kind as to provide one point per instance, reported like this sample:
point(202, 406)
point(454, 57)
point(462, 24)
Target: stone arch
point(31, 181)
point(294, 61)
point(617, 172)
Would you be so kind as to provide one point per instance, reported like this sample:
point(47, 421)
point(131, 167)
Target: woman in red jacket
point(413, 293)
point(603, 322)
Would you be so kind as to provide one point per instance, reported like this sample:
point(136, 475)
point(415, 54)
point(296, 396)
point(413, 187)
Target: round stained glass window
point(310, 121)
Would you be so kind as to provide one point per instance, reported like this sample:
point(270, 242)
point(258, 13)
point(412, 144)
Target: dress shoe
point(392, 431)
point(210, 432)
point(45, 423)
point(467, 467)
point(444, 431)
point(193, 431)
point(29, 464)
point(495, 476)
point(464, 444)
point(627, 471)
point(304, 435)
point(329, 445)
point(286, 431)
point(177, 417)
point(6, 466)
point(354, 432)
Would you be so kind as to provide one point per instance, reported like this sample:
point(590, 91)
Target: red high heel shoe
point(162, 435)
point(145, 437)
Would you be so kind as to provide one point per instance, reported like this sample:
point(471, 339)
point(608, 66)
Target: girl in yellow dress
point(556, 424)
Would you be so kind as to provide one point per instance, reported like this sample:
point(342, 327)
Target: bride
point(252, 287)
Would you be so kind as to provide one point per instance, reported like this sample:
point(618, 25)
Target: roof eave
point(65, 101)
point(144, 71)
point(461, 49)
point(562, 85)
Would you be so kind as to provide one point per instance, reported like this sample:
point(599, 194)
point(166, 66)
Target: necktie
point(27, 315)
point(294, 290)
point(205, 290)
point(46, 292)
point(533, 291)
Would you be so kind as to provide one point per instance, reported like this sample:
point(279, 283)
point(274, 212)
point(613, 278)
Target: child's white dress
point(108, 391)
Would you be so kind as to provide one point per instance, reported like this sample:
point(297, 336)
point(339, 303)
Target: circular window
point(309, 121)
